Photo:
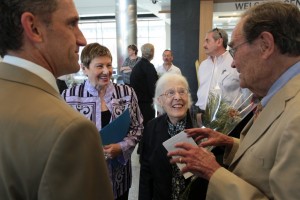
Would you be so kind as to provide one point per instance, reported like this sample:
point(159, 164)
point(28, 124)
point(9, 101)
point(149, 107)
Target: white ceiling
point(160, 9)
point(107, 7)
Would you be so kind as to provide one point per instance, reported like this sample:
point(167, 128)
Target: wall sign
point(244, 5)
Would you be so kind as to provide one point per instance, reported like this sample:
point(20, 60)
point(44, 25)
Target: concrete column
point(126, 17)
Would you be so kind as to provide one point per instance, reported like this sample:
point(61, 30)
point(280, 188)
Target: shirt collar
point(220, 57)
point(281, 81)
point(33, 68)
point(92, 90)
point(178, 127)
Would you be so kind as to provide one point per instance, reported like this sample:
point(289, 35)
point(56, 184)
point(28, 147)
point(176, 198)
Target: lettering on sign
point(245, 5)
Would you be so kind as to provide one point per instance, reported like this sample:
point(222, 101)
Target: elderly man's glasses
point(172, 92)
point(232, 51)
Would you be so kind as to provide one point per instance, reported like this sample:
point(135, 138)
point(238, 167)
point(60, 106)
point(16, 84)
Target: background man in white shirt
point(167, 66)
point(216, 72)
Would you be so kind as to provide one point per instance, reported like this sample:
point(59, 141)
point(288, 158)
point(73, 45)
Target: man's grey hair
point(220, 33)
point(280, 19)
point(147, 51)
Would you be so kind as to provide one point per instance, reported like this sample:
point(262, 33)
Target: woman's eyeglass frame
point(172, 92)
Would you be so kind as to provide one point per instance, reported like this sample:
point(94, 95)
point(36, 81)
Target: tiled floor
point(134, 190)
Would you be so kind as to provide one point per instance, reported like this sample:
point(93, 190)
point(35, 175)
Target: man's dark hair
point(11, 30)
point(168, 51)
point(280, 19)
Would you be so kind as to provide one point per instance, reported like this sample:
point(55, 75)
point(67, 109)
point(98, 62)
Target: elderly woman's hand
point(112, 150)
point(198, 160)
point(212, 138)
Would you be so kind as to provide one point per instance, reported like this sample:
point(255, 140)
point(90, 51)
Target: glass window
point(89, 30)
point(109, 30)
point(143, 29)
point(104, 32)
point(99, 30)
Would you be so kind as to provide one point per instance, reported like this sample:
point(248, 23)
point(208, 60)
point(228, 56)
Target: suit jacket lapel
point(268, 115)
point(20, 75)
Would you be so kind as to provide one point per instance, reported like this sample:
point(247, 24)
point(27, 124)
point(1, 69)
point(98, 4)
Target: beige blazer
point(47, 150)
point(267, 162)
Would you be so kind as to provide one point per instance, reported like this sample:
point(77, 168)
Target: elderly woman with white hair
point(158, 178)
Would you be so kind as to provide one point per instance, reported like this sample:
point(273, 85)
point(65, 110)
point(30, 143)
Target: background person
point(158, 178)
point(265, 46)
point(143, 79)
point(102, 101)
point(47, 150)
point(167, 66)
point(216, 72)
point(129, 63)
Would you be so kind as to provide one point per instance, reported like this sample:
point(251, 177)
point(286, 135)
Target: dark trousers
point(148, 113)
point(124, 196)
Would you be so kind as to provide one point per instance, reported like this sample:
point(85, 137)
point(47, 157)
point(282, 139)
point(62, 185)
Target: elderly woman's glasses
point(232, 51)
point(172, 92)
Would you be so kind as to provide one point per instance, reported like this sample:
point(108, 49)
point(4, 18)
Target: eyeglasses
point(171, 92)
point(219, 32)
point(232, 51)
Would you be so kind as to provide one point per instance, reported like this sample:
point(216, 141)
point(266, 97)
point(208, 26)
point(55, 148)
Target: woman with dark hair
point(129, 63)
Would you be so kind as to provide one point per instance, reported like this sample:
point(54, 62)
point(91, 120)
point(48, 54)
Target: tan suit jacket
point(266, 164)
point(47, 150)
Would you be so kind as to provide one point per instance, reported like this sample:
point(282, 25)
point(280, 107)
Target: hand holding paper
point(170, 146)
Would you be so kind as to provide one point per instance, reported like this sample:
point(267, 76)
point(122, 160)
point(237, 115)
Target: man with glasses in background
point(216, 73)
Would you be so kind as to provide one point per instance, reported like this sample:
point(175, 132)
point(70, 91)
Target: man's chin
point(243, 84)
point(69, 70)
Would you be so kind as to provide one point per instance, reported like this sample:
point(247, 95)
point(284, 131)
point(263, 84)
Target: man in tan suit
point(47, 150)
point(264, 163)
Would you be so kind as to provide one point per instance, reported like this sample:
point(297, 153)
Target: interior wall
point(206, 20)
point(185, 39)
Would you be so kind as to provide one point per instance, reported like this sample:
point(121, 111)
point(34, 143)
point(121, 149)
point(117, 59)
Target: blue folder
point(117, 130)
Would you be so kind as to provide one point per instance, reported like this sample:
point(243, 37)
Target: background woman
point(102, 101)
point(129, 63)
point(158, 178)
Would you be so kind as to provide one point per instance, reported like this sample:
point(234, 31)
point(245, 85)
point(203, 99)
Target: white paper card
point(170, 146)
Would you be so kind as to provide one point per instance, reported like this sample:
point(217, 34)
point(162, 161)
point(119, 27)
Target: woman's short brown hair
point(92, 51)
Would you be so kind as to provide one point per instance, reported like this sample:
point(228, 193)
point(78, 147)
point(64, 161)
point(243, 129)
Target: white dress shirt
point(173, 69)
point(218, 75)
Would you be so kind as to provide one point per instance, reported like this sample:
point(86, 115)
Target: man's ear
point(30, 26)
point(267, 44)
point(220, 42)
